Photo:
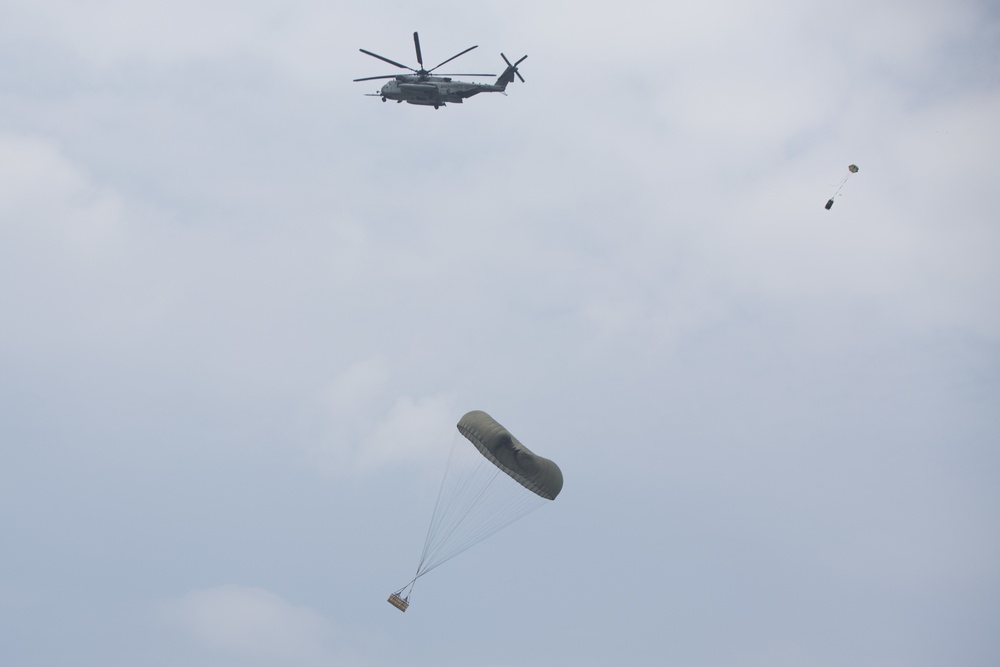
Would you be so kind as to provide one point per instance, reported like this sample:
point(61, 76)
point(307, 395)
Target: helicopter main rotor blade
point(391, 62)
point(452, 74)
point(372, 78)
point(453, 57)
point(416, 43)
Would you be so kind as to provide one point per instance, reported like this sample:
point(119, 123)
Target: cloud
point(358, 385)
point(370, 425)
point(411, 429)
point(64, 244)
point(251, 622)
point(46, 199)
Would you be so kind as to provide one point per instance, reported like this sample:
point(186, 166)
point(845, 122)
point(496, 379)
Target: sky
point(244, 307)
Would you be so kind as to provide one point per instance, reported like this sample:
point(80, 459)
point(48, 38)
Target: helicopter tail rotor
point(514, 66)
point(509, 73)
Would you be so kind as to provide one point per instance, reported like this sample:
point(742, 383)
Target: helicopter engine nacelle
point(418, 88)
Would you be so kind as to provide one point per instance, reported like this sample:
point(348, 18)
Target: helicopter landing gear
point(383, 99)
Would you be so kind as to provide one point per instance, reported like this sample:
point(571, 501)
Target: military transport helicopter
point(424, 89)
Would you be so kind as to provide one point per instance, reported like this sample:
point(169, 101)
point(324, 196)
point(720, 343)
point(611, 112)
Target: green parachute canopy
point(506, 452)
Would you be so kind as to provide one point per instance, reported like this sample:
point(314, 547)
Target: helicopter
point(423, 89)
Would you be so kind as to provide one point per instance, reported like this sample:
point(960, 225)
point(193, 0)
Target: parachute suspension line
point(459, 497)
point(437, 506)
point(840, 186)
point(476, 499)
point(444, 526)
point(408, 588)
point(471, 489)
point(501, 503)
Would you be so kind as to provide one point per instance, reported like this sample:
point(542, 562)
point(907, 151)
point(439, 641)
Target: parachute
point(852, 169)
point(486, 487)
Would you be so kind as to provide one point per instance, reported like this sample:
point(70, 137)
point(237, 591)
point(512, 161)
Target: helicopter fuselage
point(433, 90)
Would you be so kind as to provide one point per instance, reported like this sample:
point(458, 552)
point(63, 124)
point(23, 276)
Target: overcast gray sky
point(244, 306)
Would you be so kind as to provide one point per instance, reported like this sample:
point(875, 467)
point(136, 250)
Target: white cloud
point(47, 200)
point(358, 386)
point(110, 30)
point(301, 40)
point(370, 426)
point(412, 429)
point(251, 622)
point(64, 243)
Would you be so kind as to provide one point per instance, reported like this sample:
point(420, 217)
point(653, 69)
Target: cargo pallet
point(398, 602)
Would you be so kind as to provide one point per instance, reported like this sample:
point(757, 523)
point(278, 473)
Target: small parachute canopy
point(533, 472)
point(851, 169)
